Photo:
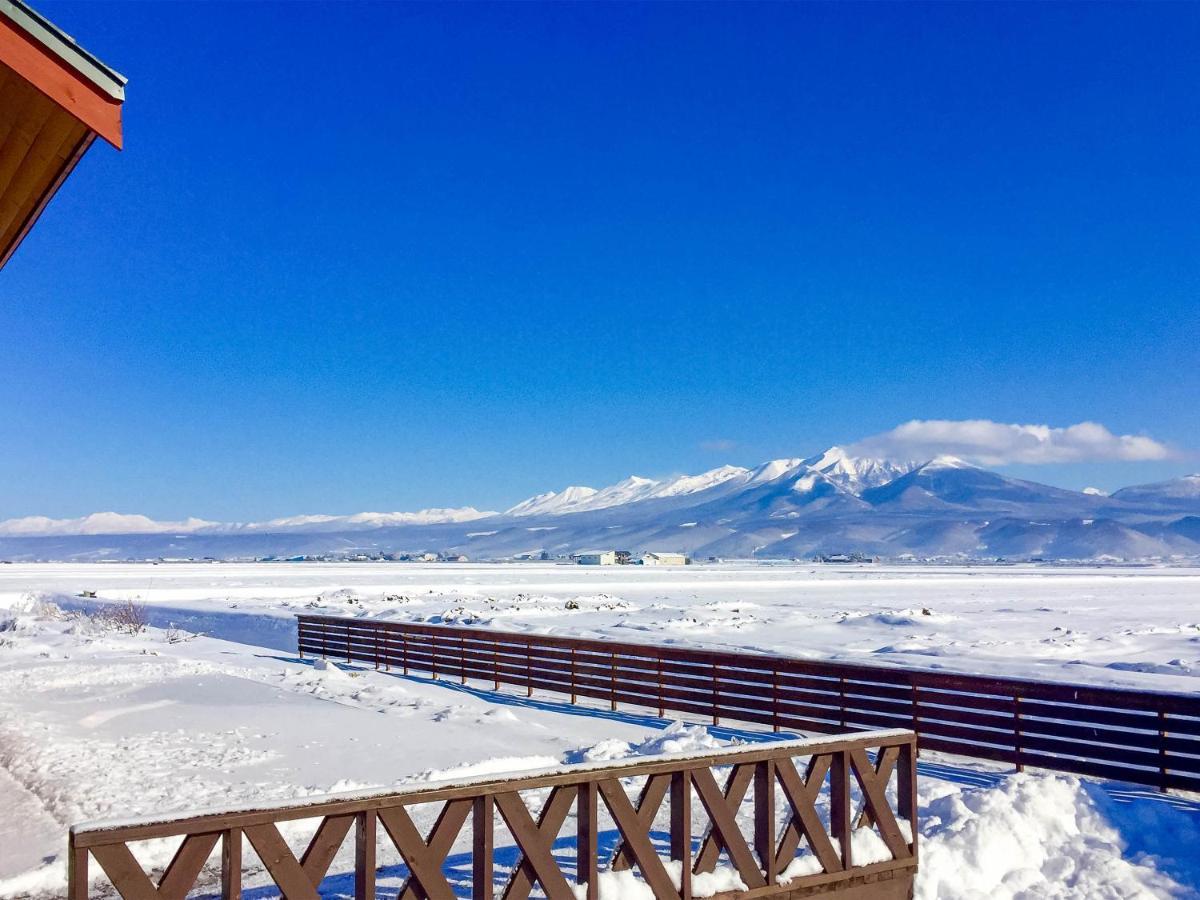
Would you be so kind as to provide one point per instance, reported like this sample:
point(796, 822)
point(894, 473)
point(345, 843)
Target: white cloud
point(996, 443)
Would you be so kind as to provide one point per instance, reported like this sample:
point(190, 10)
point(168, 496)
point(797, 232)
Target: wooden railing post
point(916, 709)
point(495, 666)
point(1020, 765)
point(840, 812)
point(528, 668)
point(77, 870)
point(462, 658)
point(612, 682)
point(231, 864)
point(573, 697)
point(1162, 751)
point(681, 829)
point(716, 696)
point(662, 711)
point(764, 817)
point(365, 826)
point(587, 851)
point(483, 836)
point(775, 699)
point(906, 789)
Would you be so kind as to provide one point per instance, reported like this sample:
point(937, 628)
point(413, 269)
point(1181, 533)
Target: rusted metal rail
point(1144, 737)
point(779, 803)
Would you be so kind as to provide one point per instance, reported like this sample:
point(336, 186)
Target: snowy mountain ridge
point(831, 502)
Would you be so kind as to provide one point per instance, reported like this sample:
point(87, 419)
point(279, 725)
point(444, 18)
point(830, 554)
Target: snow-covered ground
point(1132, 627)
point(95, 723)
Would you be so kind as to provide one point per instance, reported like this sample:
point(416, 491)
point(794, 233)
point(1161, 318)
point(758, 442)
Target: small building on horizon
point(595, 558)
point(664, 558)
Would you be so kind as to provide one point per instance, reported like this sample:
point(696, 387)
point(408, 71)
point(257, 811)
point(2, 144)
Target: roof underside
point(54, 101)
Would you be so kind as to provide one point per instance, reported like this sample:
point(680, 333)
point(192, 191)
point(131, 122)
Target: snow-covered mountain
point(791, 507)
point(1177, 493)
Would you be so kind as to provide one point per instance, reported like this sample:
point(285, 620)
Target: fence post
point(1162, 751)
point(231, 864)
point(462, 658)
point(662, 710)
point(404, 649)
point(842, 698)
point(681, 829)
point(840, 814)
point(347, 643)
point(716, 695)
point(764, 817)
point(612, 682)
point(324, 642)
point(364, 855)
point(77, 870)
point(300, 636)
point(916, 712)
point(586, 849)
point(495, 665)
point(482, 847)
point(528, 668)
point(375, 641)
point(1017, 731)
point(775, 699)
point(906, 790)
point(572, 675)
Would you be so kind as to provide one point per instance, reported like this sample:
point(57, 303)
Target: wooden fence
point(802, 794)
point(1144, 737)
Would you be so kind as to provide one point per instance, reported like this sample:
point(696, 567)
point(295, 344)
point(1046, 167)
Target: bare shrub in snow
point(128, 617)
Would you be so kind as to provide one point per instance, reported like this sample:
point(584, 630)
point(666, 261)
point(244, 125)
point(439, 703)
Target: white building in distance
point(658, 558)
point(596, 558)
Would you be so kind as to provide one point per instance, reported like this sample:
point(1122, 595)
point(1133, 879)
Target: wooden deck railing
point(1144, 737)
point(779, 802)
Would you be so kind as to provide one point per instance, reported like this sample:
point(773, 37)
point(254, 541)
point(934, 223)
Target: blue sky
point(388, 256)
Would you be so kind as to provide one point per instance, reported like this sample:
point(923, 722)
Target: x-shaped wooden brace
point(650, 801)
point(635, 832)
point(885, 764)
point(298, 879)
point(536, 841)
point(722, 807)
point(874, 790)
point(804, 822)
point(131, 881)
point(425, 858)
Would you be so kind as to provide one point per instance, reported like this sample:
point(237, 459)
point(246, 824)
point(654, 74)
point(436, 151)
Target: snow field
point(97, 724)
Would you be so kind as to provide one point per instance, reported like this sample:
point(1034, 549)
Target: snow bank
point(1033, 836)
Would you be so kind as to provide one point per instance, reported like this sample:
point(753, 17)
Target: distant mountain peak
point(552, 502)
point(856, 473)
point(946, 461)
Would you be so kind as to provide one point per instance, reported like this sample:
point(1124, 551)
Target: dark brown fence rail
point(810, 800)
point(1144, 737)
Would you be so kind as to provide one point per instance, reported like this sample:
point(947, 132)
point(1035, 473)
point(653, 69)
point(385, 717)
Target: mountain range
point(833, 502)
